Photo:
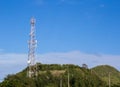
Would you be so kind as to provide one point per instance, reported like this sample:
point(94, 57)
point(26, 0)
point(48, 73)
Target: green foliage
point(103, 72)
point(52, 75)
point(16, 81)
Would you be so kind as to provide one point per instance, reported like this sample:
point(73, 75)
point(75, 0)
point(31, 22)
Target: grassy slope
point(103, 72)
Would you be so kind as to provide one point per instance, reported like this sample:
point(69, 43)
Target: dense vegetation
point(106, 72)
point(55, 75)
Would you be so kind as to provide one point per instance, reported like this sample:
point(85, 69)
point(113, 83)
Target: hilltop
point(105, 72)
point(55, 75)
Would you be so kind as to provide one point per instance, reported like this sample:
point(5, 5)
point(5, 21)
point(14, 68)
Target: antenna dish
point(28, 61)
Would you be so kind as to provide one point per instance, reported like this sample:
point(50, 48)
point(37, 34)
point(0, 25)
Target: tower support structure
point(32, 70)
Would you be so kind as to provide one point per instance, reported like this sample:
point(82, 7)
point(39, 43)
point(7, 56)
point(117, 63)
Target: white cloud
point(77, 57)
point(13, 63)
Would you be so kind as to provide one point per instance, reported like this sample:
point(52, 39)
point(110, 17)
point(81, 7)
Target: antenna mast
point(31, 54)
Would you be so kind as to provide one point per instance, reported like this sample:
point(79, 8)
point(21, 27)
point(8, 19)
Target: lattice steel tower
point(32, 71)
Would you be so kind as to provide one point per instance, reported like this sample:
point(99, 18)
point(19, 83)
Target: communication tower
point(32, 70)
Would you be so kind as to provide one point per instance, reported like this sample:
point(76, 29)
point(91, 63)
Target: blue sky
point(91, 27)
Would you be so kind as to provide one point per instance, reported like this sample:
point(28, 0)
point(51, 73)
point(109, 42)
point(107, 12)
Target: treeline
point(44, 67)
point(54, 75)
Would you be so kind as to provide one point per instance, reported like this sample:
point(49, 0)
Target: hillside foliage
point(106, 72)
point(55, 75)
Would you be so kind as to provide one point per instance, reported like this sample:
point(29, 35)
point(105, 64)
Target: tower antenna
point(32, 71)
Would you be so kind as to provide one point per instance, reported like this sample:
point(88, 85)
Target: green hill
point(54, 75)
point(106, 72)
